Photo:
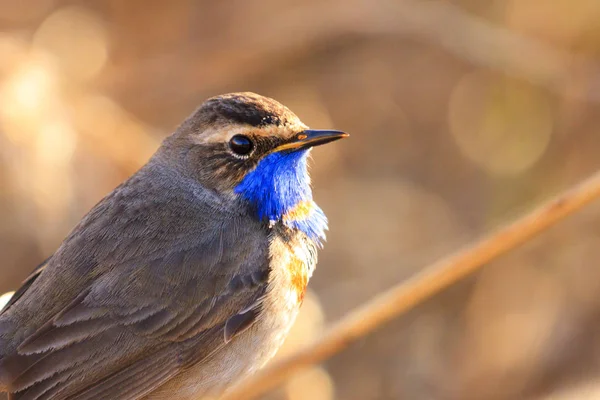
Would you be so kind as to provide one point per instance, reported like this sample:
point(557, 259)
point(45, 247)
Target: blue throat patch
point(278, 184)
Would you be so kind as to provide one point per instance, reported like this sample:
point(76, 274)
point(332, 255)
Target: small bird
point(184, 279)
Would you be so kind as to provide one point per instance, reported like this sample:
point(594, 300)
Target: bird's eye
point(241, 145)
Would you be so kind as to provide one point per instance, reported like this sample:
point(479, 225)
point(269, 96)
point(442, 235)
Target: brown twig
point(420, 287)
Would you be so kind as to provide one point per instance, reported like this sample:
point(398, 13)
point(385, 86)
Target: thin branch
point(430, 281)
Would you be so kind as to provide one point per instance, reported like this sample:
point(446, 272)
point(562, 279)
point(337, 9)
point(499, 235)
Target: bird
point(184, 279)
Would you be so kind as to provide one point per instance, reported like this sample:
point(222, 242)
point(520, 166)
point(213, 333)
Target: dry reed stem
point(430, 281)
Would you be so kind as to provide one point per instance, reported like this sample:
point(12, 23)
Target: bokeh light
point(558, 20)
point(77, 39)
point(27, 96)
point(502, 126)
point(313, 384)
point(112, 130)
point(19, 12)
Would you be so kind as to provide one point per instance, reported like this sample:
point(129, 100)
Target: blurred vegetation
point(463, 114)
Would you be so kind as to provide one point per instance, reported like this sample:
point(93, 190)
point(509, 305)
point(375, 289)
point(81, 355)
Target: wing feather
point(25, 285)
point(130, 291)
point(88, 341)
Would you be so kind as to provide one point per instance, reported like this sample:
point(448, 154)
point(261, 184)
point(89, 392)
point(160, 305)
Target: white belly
point(253, 348)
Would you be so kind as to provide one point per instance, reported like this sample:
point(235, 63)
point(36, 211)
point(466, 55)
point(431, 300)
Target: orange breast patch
point(298, 277)
point(300, 212)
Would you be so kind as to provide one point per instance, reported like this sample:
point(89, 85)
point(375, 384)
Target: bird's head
point(254, 148)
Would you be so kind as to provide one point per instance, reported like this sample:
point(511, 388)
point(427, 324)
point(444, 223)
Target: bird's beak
point(311, 138)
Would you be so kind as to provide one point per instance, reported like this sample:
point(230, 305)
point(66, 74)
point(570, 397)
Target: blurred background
point(464, 114)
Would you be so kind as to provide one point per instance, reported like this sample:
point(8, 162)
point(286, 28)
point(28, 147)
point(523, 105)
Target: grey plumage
point(169, 297)
point(151, 290)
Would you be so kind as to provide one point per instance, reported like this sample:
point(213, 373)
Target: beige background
point(463, 115)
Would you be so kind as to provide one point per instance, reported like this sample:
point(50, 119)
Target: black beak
point(311, 138)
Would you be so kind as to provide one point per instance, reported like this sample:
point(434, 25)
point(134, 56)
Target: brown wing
point(139, 319)
point(147, 281)
point(25, 285)
point(159, 312)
